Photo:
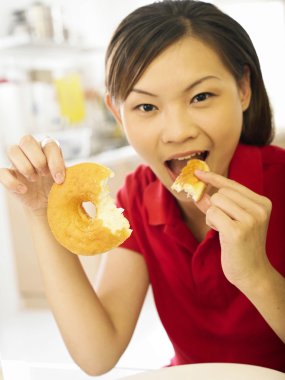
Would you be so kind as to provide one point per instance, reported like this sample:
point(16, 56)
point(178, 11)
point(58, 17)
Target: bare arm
point(267, 293)
point(96, 328)
point(241, 217)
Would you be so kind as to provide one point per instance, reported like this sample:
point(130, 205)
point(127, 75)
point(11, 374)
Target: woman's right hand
point(33, 171)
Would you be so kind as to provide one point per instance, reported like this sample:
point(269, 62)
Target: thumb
point(204, 203)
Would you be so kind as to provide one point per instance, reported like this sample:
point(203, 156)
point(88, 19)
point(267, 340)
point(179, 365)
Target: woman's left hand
point(241, 217)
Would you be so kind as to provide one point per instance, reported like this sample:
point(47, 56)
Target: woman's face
point(186, 104)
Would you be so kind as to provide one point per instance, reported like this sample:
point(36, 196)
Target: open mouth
point(175, 165)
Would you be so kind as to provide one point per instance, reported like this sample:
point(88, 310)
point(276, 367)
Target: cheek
point(233, 124)
point(138, 136)
point(223, 124)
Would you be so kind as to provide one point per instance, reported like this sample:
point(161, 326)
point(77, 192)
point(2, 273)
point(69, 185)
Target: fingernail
point(21, 189)
point(59, 177)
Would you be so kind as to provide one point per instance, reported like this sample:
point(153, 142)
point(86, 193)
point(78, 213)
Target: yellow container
point(71, 98)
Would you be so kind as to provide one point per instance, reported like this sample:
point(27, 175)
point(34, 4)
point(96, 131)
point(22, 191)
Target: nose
point(178, 126)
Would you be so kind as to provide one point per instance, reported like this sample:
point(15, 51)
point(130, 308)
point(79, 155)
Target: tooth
point(184, 158)
point(190, 156)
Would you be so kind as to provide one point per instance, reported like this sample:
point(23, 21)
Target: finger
point(21, 163)
point(231, 208)
point(55, 161)
point(32, 150)
point(204, 203)
point(220, 181)
point(218, 220)
point(11, 182)
point(28, 158)
point(255, 204)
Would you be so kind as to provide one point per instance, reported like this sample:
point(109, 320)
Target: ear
point(113, 108)
point(245, 88)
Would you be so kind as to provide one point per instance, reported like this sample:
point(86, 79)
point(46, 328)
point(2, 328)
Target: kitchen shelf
point(25, 52)
point(25, 45)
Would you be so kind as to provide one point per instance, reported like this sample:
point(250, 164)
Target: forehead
point(188, 56)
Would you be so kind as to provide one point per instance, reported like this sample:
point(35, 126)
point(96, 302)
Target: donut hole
point(90, 209)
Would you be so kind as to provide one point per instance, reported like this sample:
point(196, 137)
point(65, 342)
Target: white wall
point(264, 20)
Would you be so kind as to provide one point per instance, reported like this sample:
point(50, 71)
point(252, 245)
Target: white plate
point(211, 371)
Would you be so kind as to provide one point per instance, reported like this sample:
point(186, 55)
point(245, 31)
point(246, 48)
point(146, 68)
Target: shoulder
point(135, 185)
point(273, 155)
point(273, 168)
point(142, 176)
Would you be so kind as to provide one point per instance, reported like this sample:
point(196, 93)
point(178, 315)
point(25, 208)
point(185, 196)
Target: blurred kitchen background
point(52, 83)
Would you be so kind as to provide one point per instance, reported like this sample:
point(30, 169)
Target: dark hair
point(150, 29)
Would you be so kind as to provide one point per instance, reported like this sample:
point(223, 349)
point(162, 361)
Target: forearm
point(84, 324)
point(267, 293)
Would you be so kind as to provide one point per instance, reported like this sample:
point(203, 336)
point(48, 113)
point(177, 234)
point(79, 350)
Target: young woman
point(183, 80)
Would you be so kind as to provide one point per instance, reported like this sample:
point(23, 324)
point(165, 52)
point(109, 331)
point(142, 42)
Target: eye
point(146, 107)
point(201, 97)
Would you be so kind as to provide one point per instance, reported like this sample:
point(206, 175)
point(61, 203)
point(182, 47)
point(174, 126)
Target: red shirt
point(206, 317)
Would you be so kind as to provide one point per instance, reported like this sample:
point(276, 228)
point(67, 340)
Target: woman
point(183, 80)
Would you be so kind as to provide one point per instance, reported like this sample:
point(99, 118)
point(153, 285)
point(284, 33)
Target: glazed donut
point(188, 182)
point(71, 224)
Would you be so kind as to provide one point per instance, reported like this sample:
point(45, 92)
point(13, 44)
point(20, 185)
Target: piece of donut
point(188, 182)
point(71, 224)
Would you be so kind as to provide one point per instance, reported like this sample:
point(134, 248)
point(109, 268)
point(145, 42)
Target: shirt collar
point(245, 168)
point(160, 204)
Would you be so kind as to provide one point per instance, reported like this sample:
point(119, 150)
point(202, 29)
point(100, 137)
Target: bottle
point(19, 24)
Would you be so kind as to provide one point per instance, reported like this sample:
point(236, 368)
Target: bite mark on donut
point(108, 212)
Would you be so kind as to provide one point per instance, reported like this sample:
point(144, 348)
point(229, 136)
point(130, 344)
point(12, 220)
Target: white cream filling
point(187, 188)
point(108, 212)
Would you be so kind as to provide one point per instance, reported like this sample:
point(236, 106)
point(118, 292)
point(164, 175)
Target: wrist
point(258, 281)
point(39, 214)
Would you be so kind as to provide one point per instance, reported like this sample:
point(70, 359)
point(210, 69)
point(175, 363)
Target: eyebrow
point(192, 85)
